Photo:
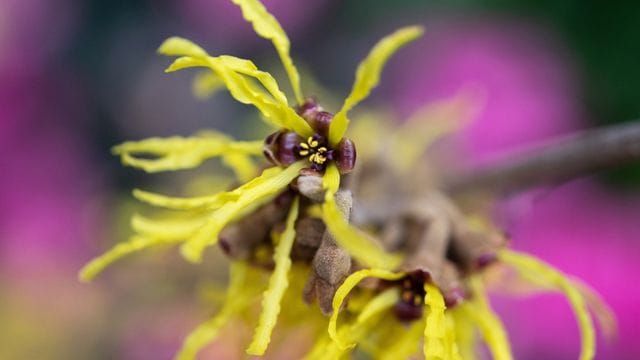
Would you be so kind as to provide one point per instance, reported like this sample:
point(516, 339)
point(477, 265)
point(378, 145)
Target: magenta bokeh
point(54, 188)
point(531, 94)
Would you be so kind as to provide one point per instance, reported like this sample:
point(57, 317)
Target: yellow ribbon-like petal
point(136, 243)
point(236, 300)
point(250, 196)
point(379, 303)
point(324, 348)
point(266, 26)
point(185, 62)
point(278, 284)
point(267, 97)
point(435, 329)
point(291, 120)
point(184, 203)
point(247, 67)
point(464, 333)
point(176, 152)
point(528, 264)
point(205, 84)
point(406, 345)
point(349, 283)
point(166, 229)
point(368, 319)
point(429, 124)
point(357, 243)
point(368, 76)
point(450, 340)
point(177, 46)
point(491, 328)
point(331, 179)
point(242, 165)
point(602, 312)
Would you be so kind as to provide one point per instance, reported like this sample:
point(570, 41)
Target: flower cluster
point(296, 218)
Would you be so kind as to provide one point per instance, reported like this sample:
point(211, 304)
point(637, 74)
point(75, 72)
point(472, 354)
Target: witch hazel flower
point(436, 298)
point(414, 283)
point(294, 208)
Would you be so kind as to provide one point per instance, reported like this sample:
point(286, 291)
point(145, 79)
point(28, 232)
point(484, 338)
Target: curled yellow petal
point(184, 203)
point(364, 249)
point(185, 62)
point(529, 264)
point(250, 196)
point(435, 329)
point(450, 340)
point(166, 229)
point(177, 46)
point(368, 76)
point(276, 113)
point(161, 146)
point(136, 243)
point(278, 284)
point(429, 124)
point(331, 178)
point(349, 283)
point(370, 129)
point(205, 84)
point(379, 303)
point(406, 345)
point(491, 328)
point(604, 315)
point(324, 349)
point(368, 319)
point(464, 333)
point(247, 67)
point(232, 71)
point(268, 27)
point(235, 301)
point(289, 118)
point(176, 153)
point(357, 243)
point(242, 165)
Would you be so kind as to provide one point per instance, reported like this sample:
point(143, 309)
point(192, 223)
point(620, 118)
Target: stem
point(559, 160)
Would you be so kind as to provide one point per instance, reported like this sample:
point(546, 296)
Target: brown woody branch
point(559, 160)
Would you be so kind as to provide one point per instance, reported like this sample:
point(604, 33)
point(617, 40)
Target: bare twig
point(557, 161)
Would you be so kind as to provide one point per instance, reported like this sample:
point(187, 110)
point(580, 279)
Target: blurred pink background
point(77, 77)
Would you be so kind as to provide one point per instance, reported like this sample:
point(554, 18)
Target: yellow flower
point(437, 280)
point(447, 333)
point(420, 305)
point(306, 137)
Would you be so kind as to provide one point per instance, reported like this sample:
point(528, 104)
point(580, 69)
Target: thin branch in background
point(557, 161)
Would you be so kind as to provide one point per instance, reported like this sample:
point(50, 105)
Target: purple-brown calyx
point(284, 147)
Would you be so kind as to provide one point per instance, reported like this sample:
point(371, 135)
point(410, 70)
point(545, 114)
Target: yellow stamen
point(417, 300)
point(310, 148)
